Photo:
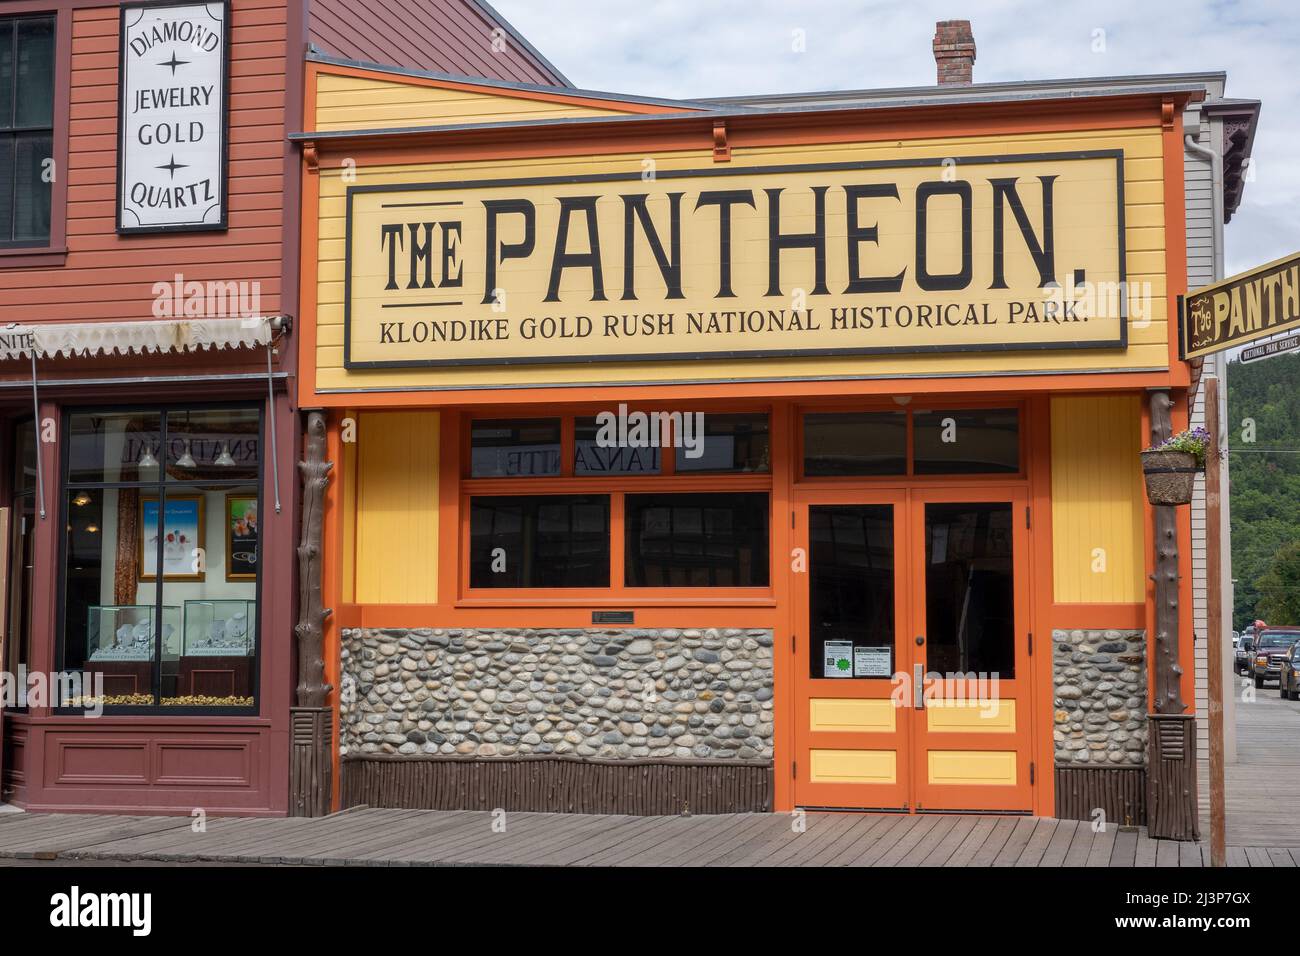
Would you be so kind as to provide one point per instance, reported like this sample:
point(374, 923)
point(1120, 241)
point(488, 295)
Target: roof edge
point(974, 89)
point(491, 13)
point(742, 112)
point(328, 59)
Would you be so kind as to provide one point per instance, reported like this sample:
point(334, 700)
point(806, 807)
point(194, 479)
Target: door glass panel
point(969, 594)
point(851, 591)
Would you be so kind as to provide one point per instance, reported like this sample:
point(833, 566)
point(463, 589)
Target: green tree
point(1264, 474)
point(1279, 587)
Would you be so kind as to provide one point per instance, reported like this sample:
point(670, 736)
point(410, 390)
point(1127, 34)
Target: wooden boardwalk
point(1263, 785)
point(371, 837)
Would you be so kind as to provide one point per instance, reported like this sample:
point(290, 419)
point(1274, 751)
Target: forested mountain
point(1264, 443)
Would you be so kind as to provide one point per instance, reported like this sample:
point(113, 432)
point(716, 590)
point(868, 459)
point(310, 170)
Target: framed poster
point(241, 537)
point(173, 136)
point(182, 532)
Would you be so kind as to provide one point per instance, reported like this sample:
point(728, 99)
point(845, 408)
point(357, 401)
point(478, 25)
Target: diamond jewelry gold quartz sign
point(172, 135)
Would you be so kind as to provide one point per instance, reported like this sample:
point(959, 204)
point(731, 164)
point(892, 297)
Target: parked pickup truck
point(1271, 645)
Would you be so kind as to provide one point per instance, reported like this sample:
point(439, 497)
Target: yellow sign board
point(1246, 307)
point(976, 253)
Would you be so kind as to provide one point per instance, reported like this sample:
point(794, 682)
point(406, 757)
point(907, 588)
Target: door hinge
point(1031, 773)
point(1031, 643)
point(792, 514)
point(793, 642)
point(1027, 524)
point(794, 770)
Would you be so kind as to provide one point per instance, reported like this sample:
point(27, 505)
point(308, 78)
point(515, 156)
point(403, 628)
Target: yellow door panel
point(854, 766)
point(995, 768)
point(851, 716)
point(971, 717)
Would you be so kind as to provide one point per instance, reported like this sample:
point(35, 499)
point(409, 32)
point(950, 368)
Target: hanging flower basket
point(1170, 468)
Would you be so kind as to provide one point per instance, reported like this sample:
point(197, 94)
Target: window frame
point(53, 251)
point(909, 475)
point(156, 710)
point(18, 646)
point(617, 487)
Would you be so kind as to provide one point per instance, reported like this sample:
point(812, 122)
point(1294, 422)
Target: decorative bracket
point(310, 155)
point(721, 148)
point(1167, 114)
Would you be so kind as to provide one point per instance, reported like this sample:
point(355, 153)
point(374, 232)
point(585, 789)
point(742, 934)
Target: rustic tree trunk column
point(311, 760)
point(1171, 745)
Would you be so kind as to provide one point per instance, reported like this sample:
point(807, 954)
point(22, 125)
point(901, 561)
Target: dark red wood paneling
point(444, 36)
point(106, 276)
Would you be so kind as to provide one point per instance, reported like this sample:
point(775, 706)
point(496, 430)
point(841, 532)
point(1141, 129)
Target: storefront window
point(514, 448)
point(597, 454)
point(855, 443)
point(542, 541)
point(18, 632)
point(978, 441)
point(161, 551)
point(544, 536)
point(26, 128)
point(696, 540)
point(730, 443)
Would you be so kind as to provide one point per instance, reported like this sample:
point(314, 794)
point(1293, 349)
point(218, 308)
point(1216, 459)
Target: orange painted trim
point(332, 586)
point(1038, 454)
point(813, 390)
point(444, 615)
point(613, 104)
point(449, 506)
point(1117, 616)
point(309, 267)
point(783, 453)
point(694, 130)
point(1175, 201)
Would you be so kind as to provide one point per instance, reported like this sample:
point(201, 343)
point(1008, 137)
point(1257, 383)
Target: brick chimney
point(954, 52)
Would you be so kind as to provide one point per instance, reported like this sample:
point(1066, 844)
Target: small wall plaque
point(612, 617)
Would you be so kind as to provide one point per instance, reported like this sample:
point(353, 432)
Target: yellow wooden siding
point(851, 716)
point(1144, 236)
point(1097, 538)
point(853, 766)
point(397, 508)
point(350, 102)
point(972, 768)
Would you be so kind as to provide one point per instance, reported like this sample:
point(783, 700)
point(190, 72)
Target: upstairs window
point(26, 129)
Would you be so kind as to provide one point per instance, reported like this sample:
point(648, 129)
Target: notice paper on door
point(871, 661)
point(838, 659)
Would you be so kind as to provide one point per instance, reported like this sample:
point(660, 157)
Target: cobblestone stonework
point(639, 693)
point(1099, 681)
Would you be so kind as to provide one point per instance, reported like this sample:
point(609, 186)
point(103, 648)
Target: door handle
point(920, 639)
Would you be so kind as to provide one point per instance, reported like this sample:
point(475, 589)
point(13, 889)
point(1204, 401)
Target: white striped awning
point(133, 338)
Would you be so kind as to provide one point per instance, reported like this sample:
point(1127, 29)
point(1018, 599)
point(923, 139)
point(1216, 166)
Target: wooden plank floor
point(447, 838)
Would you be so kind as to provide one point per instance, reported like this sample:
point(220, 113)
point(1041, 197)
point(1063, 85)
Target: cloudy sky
point(685, 48)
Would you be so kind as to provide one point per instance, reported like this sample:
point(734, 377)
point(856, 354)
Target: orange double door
point(911, 649)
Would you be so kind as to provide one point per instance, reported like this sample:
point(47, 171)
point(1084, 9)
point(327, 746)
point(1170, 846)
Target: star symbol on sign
point(171, 166)
point(173, 63)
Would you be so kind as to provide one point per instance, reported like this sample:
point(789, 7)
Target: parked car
point(1241, 656)
point(1288, 680)
point(1271, 645)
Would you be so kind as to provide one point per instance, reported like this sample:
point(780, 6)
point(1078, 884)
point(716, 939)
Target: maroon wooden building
point(148, 274)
